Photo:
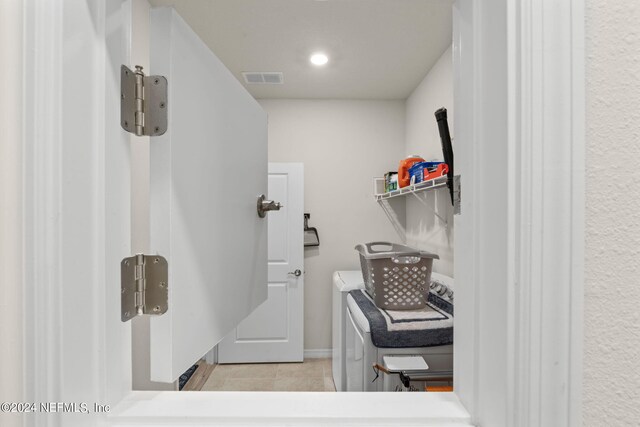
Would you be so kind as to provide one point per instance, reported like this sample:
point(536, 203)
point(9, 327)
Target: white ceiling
point(378, 49)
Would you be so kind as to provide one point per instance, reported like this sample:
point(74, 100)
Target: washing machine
point(343, 282)
point(361, 354)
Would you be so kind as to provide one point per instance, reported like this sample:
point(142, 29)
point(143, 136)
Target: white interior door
point(207, 172)
point(274, 331)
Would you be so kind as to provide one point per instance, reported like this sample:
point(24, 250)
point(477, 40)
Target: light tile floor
point(311, 375)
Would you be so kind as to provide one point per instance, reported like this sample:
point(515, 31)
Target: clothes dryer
point(361, 354)
point(343, 282)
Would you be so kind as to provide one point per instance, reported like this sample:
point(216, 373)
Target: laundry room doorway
point(517, 68)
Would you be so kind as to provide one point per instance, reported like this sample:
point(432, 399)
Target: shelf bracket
point(457, 198)
point(394, 221)
point(425, 204)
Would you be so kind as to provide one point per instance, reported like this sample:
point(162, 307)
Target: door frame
point(527, 67)
point(519, 118)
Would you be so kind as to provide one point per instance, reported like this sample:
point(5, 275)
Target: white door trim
point(76, 211)
point(555, 27)
point(11, 207)
point(546, 61)
point(519, 253)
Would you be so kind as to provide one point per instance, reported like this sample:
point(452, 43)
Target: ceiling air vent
point(263, 78)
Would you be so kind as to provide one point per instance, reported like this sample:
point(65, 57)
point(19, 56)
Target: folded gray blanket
point(427, 327)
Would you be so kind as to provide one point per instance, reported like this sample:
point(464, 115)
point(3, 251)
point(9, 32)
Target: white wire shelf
point(431, 184)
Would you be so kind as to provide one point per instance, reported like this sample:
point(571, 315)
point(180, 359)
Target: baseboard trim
point(320, 353)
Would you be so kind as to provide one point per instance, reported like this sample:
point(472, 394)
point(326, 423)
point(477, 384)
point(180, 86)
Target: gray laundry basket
point(396, 276)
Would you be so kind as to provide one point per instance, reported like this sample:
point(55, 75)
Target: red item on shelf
point(441, 170)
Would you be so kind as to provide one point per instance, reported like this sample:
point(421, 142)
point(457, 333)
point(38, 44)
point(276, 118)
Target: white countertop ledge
point(208, 408)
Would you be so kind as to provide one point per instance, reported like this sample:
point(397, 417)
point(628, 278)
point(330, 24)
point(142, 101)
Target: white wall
point(343, 145)
point(612, 286)
point(424, 230)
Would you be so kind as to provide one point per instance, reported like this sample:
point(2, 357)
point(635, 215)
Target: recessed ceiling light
point(319, 59)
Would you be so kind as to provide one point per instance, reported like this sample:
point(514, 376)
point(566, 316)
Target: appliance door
point(354, 355)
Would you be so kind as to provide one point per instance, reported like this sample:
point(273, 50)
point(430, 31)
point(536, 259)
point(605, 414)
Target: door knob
point(265, 206)
point(296, 273)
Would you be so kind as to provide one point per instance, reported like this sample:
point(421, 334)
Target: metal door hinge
point(144, 286)
point(143, 102)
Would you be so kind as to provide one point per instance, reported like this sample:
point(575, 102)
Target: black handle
point(447, 149)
